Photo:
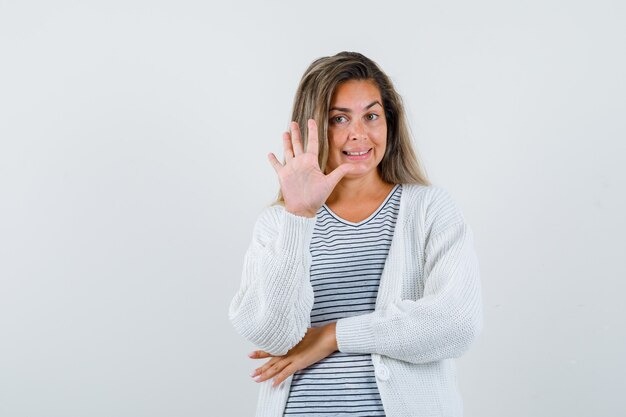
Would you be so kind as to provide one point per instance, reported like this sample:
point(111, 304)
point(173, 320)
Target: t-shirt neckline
point(368, 218)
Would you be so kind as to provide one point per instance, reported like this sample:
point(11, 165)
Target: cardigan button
point(382, 372)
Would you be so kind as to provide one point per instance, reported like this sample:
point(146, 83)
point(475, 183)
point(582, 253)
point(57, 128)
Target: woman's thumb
point(338, 173)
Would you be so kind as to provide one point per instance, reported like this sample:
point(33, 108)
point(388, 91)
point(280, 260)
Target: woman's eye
point(339, 119)
point(372, 116)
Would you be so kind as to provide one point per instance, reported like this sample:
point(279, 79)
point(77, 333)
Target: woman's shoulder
point(274, 216)
point(428, 193)
point(268, 219)
point(435, 204)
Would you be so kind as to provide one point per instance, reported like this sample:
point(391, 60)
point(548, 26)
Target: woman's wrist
point(301, 212)
point(332, 335)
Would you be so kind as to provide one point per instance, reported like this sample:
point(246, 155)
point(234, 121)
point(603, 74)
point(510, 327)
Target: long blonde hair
point(313, 98)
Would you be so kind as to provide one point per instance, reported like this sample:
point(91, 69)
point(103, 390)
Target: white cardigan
point(428, 309)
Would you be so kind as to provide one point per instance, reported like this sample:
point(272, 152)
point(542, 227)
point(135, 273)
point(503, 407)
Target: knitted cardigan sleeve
point(272, 307)
point(446, 320)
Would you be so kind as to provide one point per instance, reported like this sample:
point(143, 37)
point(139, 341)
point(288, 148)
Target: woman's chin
point(360, 171)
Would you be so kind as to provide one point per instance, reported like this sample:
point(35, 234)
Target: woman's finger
point(259, 354)
point(296, 139)
point(312, 145)
point(284, 374)
point(267, 365)
point(270, 369)
point(287, 147)
point(275, 162)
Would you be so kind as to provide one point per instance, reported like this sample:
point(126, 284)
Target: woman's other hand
point(318, 343)
point(304, 186)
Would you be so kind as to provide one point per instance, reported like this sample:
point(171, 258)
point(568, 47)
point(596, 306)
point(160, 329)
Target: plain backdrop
point(133, 164)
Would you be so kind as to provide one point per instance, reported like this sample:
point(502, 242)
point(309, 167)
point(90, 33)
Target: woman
point(361, 283)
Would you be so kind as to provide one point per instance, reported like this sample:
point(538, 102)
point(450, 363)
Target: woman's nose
point(358, 130)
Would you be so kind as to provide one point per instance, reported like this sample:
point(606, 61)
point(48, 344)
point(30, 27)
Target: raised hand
point(304, 186)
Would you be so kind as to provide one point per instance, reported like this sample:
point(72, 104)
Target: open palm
point(303, 185)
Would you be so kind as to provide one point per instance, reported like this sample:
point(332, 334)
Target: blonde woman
point(361, 283)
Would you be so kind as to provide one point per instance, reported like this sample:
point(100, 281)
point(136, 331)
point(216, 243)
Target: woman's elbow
point(269, 335)
point(468, 331)
point(459, 338)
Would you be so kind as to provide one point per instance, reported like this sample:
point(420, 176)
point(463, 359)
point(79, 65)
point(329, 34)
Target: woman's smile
point(358, 155)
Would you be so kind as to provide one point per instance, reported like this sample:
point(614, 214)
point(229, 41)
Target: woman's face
point(357, 128)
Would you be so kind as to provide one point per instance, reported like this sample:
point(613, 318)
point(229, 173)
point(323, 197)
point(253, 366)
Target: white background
point(133, 143)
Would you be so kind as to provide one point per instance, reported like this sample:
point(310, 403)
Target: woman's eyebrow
point(346, 110)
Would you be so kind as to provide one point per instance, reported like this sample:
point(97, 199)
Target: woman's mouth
point(358, 155)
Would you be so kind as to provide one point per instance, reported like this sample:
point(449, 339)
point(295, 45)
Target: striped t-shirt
point(347, 262)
